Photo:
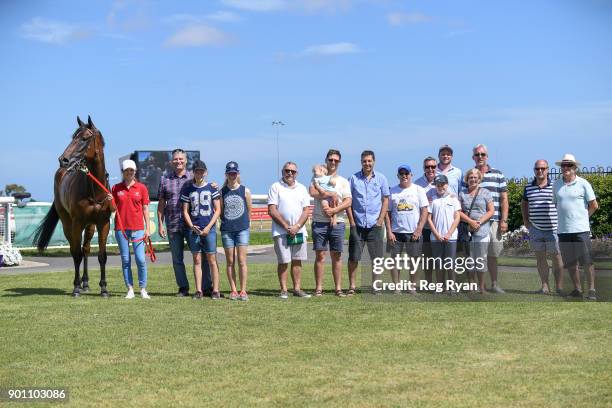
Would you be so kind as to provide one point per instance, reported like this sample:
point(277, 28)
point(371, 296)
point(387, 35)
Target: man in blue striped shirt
point(494, 181)
point(540, 217)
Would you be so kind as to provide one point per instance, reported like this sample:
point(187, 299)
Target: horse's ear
point(80, 122)
point(90, 123)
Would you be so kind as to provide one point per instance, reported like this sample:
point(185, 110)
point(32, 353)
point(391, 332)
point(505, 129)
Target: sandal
point(318, 293)
point(340, 293)
point(350, 292)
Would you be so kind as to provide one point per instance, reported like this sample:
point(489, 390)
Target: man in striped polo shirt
point(494, 181)
point(540, 216)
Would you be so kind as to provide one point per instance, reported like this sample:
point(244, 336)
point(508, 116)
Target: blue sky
point(529, 79)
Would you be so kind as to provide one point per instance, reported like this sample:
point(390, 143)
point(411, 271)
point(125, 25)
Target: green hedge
point(601, 222)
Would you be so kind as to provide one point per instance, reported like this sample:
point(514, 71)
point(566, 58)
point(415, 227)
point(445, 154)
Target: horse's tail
point(44, 231)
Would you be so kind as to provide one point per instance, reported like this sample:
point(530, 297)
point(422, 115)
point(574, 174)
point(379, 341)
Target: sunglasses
point(178, 151)
point(480, 155)
point(403, 173)
point(289, 171)
point(429, 167)
point(333, 160)
point(567, 166)
point(540, 168)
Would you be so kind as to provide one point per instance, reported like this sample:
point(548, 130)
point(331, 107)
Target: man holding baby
point(332, 196)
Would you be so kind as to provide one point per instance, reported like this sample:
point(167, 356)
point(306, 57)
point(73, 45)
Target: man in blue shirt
point(452, 173)
point(370, 201)
point(576, 203)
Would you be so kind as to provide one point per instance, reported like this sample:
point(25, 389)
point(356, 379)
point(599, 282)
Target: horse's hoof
point(105, 295)
point(85, 289)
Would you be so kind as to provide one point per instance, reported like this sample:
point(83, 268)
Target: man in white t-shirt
point(325, 235)
point(405, 219)
point(288, 203)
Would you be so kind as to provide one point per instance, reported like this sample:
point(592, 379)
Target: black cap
point(441, 179)
point(199, 165)
point(232, 167)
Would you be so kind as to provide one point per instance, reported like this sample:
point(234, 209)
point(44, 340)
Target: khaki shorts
point(496, 245)
point(287, 253)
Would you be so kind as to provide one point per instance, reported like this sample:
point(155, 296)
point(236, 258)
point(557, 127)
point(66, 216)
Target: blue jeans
point(139, 255)
point(177, 246)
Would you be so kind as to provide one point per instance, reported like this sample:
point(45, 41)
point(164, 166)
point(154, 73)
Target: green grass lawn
point(360, 351)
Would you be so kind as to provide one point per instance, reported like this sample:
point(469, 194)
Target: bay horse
point(80, 204)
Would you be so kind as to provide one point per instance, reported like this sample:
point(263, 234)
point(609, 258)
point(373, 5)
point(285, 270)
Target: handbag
point(297, 239)
point(463, 230)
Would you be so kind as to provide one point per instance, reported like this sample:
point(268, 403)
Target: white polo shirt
point(290, 201)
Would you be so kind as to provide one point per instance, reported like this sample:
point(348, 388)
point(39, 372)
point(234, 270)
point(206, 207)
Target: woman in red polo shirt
point(132, 200)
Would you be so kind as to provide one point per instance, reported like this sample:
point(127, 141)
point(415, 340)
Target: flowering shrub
point(10, 255)
point(517, 242)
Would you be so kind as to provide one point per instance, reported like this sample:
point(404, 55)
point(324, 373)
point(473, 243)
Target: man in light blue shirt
point(370, 193)
point(576, 202)
point(452, 173)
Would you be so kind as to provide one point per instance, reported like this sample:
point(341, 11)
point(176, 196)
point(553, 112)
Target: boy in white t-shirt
point(443, 220)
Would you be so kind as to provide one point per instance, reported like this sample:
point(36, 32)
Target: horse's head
point(87, 143)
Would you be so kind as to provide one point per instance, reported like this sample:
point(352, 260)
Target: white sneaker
point(144, 294)
point(497, 289)
point(130, 294)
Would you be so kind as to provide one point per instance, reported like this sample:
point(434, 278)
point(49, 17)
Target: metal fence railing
point(555, 173)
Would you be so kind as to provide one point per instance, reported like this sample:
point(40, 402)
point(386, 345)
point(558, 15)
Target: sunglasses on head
point(178, 151)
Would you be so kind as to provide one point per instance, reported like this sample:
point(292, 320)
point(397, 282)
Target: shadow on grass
point(17, 292)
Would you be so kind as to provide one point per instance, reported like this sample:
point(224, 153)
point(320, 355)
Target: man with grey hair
point(288, 203)
point(540, 217)
point(494, 181)
point(427, 182)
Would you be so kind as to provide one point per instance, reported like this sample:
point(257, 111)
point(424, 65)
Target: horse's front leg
point(77, 255)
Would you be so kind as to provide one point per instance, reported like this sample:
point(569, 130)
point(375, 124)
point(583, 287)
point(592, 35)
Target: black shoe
point(575, 294)
point(183, 292)
point(198, 295)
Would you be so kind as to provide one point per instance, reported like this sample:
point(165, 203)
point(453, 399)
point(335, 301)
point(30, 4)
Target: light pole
point(276, 124)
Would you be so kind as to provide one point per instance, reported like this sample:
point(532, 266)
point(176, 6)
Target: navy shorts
point(576, 248)
point(325, 235)
point(359, 237)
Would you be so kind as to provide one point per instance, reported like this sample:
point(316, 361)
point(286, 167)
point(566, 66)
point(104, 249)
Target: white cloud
point(224, 17)
point(303, 5)
point(197, 35)
point(331, 49)
point(325, 5)
point(398, 18)
point(257, 5)
point(52, 32)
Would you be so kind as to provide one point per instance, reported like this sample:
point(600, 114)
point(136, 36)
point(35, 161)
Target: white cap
point(128, 164)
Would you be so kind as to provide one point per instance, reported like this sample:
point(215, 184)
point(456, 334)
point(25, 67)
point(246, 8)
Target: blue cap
point(441, 179)
point(404, 167)
point(232, 167)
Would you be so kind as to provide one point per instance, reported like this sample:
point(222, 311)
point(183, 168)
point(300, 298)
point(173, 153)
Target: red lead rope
point(147, 241)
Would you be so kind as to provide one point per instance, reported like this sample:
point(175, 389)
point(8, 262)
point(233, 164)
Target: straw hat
point(568, 159)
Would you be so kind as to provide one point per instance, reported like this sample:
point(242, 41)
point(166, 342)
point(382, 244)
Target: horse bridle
point(81, 164)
